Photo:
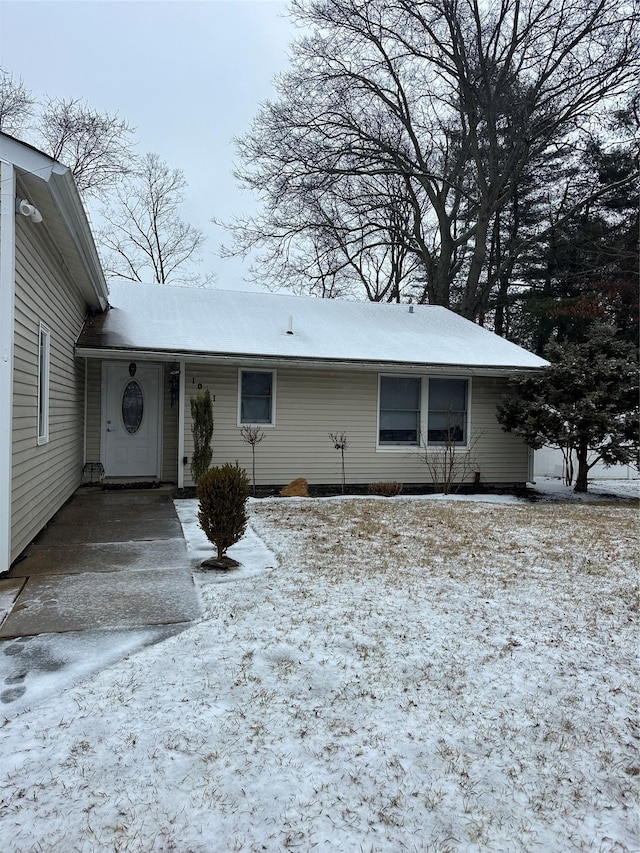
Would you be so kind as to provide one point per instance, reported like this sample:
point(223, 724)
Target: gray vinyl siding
point(312, 403)
point(44, 476)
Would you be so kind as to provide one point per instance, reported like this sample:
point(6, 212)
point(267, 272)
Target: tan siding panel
point(94, 409)
point(169, 432)
point(312, 403)
point(44, 476)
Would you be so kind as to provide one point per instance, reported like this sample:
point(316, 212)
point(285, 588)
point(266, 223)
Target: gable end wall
point(44, 476)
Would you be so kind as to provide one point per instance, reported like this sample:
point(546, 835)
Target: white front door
point(131, 419)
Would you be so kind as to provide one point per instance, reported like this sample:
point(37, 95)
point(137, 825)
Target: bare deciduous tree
point(449, 465)
point(337, 244)
point(145, 236)
point(340, 442)
point(252, 435)
point(16, 104)
point(95, 146)
point(454, 102)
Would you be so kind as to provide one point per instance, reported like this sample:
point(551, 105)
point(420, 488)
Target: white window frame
point(423, 442)
point(273, 373)
point(44, 371)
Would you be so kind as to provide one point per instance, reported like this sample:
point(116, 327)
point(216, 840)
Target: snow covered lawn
point(406, 674)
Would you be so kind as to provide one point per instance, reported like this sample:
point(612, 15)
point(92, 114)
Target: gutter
point(248, 360)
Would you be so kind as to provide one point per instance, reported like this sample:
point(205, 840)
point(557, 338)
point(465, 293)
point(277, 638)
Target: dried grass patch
point(467, 539)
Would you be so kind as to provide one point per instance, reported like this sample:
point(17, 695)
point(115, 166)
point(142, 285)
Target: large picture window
point(257, 397)
point(44, 357)
point(447, 418)
point(399, 423)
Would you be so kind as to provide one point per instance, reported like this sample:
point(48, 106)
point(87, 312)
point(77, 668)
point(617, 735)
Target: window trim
point(240, 422)
point(423, 442)
point(44, 374)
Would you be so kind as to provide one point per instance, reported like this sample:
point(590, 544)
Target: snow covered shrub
point(386, 490)
point(223, 493)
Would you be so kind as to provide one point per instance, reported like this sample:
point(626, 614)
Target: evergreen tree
point(222, 513)
point(588, 267)
point(586, 402)
point(202, 431)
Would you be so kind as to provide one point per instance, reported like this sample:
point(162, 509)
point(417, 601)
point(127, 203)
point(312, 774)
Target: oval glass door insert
point(132, 407)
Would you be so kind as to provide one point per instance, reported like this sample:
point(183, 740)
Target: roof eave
point(69, 203)
point(249, 359)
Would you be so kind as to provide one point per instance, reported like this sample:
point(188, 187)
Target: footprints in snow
point(34, 658)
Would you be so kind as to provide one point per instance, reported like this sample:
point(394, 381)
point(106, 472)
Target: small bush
point(223, 493)
point(385, 490)
point(202, 431)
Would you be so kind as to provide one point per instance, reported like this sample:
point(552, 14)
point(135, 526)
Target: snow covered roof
point(163, 321)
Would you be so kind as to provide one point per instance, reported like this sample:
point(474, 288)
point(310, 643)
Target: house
point(50, 279)
point(399, 380)
point(101, 379)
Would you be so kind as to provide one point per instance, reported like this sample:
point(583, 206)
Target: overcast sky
point(188, 75)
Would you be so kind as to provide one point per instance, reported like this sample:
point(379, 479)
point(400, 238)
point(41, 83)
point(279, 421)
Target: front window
point(44, 356)
point(447, 419)
point(399, 411)
point(257, 391)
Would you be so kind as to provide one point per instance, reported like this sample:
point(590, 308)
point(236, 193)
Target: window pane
point(399, 410)
point(443, 424)
point(448, 394)
point(399, 427)
point(399, 392)
point(43, 384)
point(256, 406)
point(256, 384)
point(255, 410)
point(447, 411)
point(43, 389)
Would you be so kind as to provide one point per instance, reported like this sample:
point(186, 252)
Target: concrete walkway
point(110, 574)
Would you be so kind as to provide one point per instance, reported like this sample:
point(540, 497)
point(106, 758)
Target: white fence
point(548, 462)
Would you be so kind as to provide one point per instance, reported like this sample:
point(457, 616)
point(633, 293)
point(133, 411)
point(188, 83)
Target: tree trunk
point(471, 307)
point(582, 452)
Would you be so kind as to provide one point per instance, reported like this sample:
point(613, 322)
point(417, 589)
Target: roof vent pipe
point(410, 309)
point(290, 329)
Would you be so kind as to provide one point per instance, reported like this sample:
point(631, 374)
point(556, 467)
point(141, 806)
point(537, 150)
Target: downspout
point(7, 307)
point(181, 408)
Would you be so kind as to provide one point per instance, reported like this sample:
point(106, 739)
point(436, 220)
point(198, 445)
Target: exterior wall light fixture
point(25, 208)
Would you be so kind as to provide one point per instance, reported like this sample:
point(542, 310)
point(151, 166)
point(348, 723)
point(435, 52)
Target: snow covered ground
point(380, 675)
